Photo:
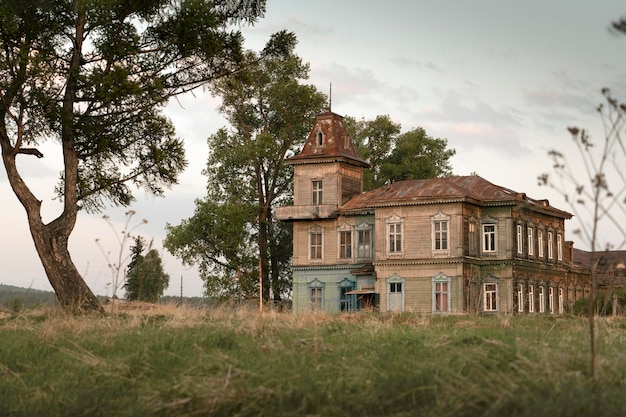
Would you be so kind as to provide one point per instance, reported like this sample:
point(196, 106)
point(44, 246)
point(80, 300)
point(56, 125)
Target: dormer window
point(319, 138)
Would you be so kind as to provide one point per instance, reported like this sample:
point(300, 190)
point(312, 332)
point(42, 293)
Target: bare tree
point(116, 266)
point(597, 195)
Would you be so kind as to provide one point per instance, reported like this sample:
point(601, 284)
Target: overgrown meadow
point(182, 361)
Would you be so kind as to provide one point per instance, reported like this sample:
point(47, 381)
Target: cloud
point(417, 64)
point(550, 98)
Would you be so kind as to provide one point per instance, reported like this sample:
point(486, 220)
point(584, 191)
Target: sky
point(500, 80)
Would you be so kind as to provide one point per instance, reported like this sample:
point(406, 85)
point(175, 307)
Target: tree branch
point(30, 151)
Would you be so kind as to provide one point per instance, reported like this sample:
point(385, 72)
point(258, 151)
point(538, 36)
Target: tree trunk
point(263, 253)
point(274, 267)
point(51, 242)
point(70, 288)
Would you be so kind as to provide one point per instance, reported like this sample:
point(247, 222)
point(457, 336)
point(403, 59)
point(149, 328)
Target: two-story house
point(441, 245)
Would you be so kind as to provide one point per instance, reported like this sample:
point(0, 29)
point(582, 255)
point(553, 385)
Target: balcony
point(324, 211)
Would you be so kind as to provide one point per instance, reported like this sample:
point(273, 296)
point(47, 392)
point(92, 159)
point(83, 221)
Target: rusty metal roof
point(471, 188)
point(335, 143)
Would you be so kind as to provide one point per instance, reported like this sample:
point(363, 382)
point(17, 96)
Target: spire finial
point(330, 98)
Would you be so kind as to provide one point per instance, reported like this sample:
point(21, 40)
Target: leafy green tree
point(93, 77)
point(233, 235)
point(416, 155)
point(145, 278)
point(373, 141)
point(396, 156)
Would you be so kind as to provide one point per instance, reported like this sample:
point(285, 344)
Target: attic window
point(319, 138)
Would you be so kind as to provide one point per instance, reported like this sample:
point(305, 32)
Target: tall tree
point(373, 141)
point(416, 155)
point(93, 77)
point(233, 235)
point(396, 156)
point(145, 278)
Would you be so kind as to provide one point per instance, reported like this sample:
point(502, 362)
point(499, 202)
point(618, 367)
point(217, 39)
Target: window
point(346, 301)
point(550, 245)
point(559, 247)
point(394, 234)
point(441, 293)
point(491, 296)
point(395, 293)
point(440, 223)
point(520, 239)
point(364, 244)
point(317, 192)
point(440, 231)
point(316, 299)
point(531, 242)
point(316, 295)
point(319, 138)
point(395, 237)
point(489, 237)
point(471, 235)
point(315, 243)
point(551, 299)
point(531, 298)
point(345, 245)
point(542, 300)
point(540, 242)
point(520, 298)
point(561, 301)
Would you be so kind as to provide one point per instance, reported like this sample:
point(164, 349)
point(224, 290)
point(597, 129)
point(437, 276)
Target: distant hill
point(29, 297)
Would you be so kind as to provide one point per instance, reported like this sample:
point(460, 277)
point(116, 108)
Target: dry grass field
point(146, 360)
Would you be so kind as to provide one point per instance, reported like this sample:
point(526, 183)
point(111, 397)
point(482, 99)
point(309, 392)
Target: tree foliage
point(233, 235)
point(93, 77)
point(396, 156)
point(145, 278)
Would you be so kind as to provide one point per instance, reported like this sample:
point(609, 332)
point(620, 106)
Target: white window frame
point(317, 187)
point(542, 299)
point(315, 292)
point(550, 246)
point(531, 298)
point(441, 285)
point(531, 242)
point(520, 298)
point(440, 233)
point(393, 282)
point(490, 297)
point(520, 239)
point(540, 242)
point(561, 308)
point(559, 247)
point(551, 298)
point(395, 230)
point(364, 249)
point(315, 231)
point(489, 242)
point(346, 249)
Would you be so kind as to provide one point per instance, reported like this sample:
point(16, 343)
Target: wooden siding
point(339, 182)
point(330, 280)
point(418, 287)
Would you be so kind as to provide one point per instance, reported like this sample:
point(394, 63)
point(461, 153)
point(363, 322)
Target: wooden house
point(443, 245)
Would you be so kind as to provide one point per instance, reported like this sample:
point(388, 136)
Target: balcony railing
point(325, 211)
